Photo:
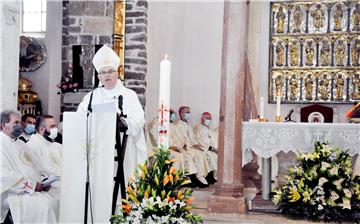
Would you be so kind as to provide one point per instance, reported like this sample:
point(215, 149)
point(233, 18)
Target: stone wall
point(91, 23)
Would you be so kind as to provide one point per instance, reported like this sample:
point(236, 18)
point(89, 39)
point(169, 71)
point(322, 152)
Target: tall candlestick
point(278, 110)
point(278, 103)
point(164, 103)
point(261, 107)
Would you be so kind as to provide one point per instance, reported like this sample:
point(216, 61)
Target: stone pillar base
point(227, 204)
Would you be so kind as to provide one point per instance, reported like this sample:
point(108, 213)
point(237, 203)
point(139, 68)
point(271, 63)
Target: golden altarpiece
point(315, 51)
point(119, 33)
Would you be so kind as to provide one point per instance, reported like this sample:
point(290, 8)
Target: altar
point(266, 139)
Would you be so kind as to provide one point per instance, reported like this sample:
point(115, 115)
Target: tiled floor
point(200, 201)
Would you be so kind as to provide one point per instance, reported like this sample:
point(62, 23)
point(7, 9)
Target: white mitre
point(104, 57)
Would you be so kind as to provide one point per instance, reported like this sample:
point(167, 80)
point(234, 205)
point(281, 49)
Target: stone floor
point(200, 201)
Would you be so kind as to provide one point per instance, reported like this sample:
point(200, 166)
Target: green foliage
point(321, 187)
point(157, 195)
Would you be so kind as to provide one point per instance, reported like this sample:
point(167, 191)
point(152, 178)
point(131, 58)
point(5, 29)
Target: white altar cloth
point(268, 138)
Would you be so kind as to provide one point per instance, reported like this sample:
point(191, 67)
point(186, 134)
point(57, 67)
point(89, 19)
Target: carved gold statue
point(356, 18)
point(309, 50)
point(294, 54)
point(338, 15)
point(293, 87)
point(340, 53)
point(356, 83)
point(339, 86)
point(297, 19)
point(355, 52)
point(309, 86)
point(325, 53)
point(323, 90)
point(278, 85)
point(279, 55)
point(280, 16)
point(318, 17)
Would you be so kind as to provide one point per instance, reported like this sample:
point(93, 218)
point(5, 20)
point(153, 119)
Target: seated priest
point(208, 138)
point(45, 152)
point(184, 161)
point(185, 134)
point(28, 122)
point(106, 63)
point(22, 192)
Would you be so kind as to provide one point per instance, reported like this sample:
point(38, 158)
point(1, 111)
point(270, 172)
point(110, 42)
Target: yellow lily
point(294, 195)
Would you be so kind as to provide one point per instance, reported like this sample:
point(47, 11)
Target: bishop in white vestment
point(106, 63)
point(21, 190)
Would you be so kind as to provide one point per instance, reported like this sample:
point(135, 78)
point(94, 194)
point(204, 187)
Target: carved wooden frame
point(119, 33)
point(343, 79)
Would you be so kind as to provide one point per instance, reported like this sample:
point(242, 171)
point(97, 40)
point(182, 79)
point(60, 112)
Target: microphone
point(89, 108)
point(288, 116)
point(120, 104)
point(122, 125)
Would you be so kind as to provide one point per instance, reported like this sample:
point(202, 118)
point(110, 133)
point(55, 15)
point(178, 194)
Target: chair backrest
point(316, 113)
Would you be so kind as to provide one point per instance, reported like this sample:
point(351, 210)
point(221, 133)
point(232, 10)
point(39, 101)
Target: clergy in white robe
point(184, 161)
point(44, 151)
point(21, 190)
point(106, 63)
point(185, 135)
point(208, 138)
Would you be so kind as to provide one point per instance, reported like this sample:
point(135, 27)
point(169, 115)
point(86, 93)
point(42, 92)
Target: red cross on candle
point(162, 110)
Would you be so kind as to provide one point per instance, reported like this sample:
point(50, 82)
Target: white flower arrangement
point(321, 187)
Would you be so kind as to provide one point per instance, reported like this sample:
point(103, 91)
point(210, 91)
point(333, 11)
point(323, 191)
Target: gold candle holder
point(277, 118)
point(263, 119)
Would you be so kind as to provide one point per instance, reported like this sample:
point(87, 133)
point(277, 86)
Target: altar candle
point(164, 103)
point(262, 107)
point(278, 103)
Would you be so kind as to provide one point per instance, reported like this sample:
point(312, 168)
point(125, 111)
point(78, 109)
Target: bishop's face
point(108, 77)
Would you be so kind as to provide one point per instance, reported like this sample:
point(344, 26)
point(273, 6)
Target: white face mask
point(53, 133)
point(207, 122)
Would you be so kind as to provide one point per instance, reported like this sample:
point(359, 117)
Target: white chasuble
point(101, 166)
point(136, 151)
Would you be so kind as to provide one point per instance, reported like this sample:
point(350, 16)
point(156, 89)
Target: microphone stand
point(288, 116)
point(87, 185)
point(121, 127)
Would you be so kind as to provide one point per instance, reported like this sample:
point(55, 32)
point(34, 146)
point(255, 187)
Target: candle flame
point(165, 56)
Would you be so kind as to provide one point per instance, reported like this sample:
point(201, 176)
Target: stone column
point(9, 58)
point(228, 196)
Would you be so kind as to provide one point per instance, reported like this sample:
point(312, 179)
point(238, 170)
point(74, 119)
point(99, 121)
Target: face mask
point(53, 133)
point(173, 117)
point(29, 129)
point(187, 116)
point(207, 122)
point(17, 130)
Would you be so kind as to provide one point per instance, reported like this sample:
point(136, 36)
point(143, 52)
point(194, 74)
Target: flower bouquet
point(66, 84)
point(157, 194)
point(321, 187)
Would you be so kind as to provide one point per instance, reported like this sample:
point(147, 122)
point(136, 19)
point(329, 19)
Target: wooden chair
point(317, 113)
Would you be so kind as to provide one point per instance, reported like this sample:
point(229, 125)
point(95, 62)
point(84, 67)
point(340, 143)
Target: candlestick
point(278, 103)
point(164, 103)
point(261, 107)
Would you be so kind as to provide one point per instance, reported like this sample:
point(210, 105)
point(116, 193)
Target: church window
point(33, 17)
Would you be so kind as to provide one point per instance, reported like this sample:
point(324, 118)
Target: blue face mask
point(173, 117)
point(29, 129)
point(207, 122)
point(187, 116)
